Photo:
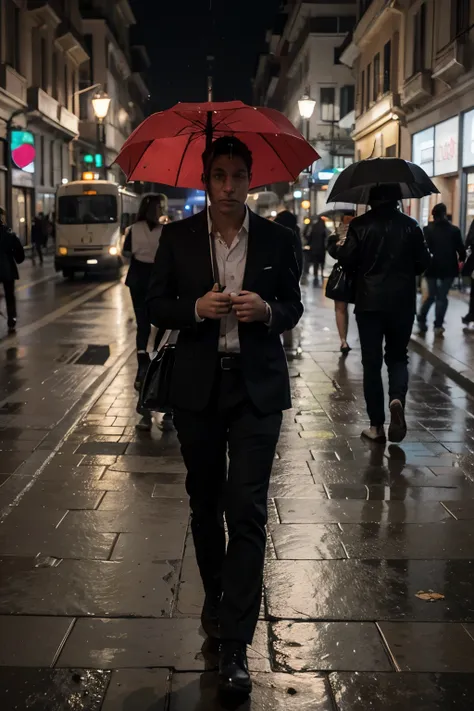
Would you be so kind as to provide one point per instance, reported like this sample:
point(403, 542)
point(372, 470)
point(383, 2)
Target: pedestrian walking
point(288, 219)
point(468, 270)
point(386, 250)
point(317, 241)
point(141, 242)
point(445, 243)
point(229, 281)
point(11, 254)
point(341, 308)
point(37, 239)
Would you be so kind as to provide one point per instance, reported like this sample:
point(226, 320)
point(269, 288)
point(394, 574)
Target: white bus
point(91, 218)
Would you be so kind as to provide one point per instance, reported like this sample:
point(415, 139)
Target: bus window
point(87, 209)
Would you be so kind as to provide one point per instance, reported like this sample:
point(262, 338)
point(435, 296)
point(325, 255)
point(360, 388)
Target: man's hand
point(249, 307)
point(213, 305)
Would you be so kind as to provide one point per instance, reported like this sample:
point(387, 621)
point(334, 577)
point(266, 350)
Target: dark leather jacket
point(11, 254)
point(386, 250)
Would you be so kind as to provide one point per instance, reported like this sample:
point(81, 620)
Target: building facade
point(46, 52)
point(303, 58)
point(413, 63)
point(116, 66)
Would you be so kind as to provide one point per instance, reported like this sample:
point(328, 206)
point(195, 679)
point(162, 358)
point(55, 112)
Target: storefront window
point(470, 201)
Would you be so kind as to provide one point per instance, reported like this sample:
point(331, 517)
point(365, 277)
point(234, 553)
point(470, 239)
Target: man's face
point(229, 183)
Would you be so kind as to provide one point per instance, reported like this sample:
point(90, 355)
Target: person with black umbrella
point(386, 250)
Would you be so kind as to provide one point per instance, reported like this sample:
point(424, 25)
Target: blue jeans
point(438, 290)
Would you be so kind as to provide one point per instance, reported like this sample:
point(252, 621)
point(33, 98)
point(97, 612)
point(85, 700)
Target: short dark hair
point(226, 146)
point(439, 211)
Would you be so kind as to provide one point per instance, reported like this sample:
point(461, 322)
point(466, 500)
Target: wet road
point(369, 582)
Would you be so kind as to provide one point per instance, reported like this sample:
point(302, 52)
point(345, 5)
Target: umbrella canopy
point(406, 180)
point(338, 208)
point(167, 147)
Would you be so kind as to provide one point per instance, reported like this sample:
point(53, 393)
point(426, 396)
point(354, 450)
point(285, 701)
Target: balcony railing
point(450, 63)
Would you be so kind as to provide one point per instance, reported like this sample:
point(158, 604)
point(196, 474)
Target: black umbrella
point(401, 178)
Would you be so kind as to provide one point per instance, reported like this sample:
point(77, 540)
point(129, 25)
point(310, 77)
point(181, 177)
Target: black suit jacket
point(182, 273)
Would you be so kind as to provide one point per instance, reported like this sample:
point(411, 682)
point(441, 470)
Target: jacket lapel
point(200, 250)
point(257, 252)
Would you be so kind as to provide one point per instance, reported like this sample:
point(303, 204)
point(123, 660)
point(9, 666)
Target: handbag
point(155, 393)
point(340, 285)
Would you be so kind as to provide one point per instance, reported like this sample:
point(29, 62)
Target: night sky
point(179, 34)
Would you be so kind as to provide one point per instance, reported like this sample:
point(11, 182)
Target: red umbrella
point(167, 147)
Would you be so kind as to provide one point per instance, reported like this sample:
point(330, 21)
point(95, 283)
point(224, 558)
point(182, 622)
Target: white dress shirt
point(231, 262)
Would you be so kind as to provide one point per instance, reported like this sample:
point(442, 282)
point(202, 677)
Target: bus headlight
point(63, 251)
point(113, 251)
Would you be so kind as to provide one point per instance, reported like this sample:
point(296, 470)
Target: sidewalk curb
point(449, 366)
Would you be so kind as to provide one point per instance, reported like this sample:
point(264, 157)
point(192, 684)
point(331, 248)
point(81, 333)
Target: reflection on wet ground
point(100, 595)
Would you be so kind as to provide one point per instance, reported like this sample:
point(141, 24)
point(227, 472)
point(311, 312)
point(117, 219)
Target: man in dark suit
point(230, 384)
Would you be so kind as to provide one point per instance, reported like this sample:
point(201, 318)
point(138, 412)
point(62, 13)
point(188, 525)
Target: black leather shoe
point(210, 616)
point(234, 677)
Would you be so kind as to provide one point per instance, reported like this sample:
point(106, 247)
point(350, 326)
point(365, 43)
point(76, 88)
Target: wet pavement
point(369, 581)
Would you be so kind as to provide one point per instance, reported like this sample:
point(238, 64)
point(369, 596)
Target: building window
point(369, 87)
point(459, 17)
point(419, 45)
point(391, 151)
point(51, 162)
point(328, 97)
point(12, 26)
point(44, 63)
point(387, 67)
point(54, 75)
point(346, 23)
point(66, 85)
point(362, 92)
point(346, 100)
point(376, 77)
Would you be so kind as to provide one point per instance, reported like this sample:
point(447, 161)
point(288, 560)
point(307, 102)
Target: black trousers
point(138, 294)
point(395, 328)
point(230, 425)
point(10, 301)
point(471, 300)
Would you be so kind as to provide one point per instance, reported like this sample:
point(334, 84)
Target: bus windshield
point(87, 209)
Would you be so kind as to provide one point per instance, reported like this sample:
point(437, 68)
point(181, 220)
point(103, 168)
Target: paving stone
point(119, 643)
point(100, 447)
point(354, 691)
point(325, 646)
point(28, 541)
point(166, 543)
point(61, 498)
point(117, 500)
point(429, 646)
point(86, 587)
point(307, 542)
point(275, 692)
point(58, 474)
point(52, 689)
point(355, 511)
point(32, 641)
point(339, 590)
point(137, 690)
point(151, 519)
point(443, 541)
point(152, 465)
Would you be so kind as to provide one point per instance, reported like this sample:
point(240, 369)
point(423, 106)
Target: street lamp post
point(306, 107)
point(100, 104)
